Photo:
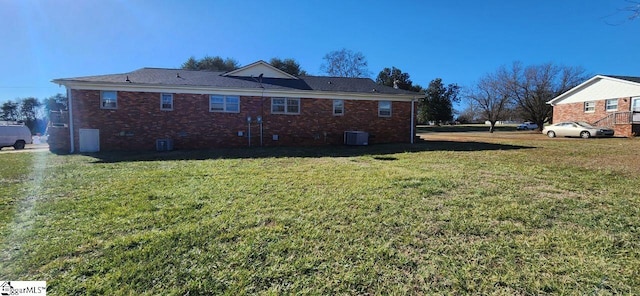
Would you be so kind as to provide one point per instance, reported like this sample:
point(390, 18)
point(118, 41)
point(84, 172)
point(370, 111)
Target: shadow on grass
point(378, 151)
point(474, 128)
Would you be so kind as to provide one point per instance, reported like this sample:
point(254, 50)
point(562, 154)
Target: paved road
point(28, 148)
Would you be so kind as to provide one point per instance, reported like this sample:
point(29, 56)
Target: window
point(635, 105)
point(285, 106)
point(219, 103)
point(338, 107)
point(589, 106)
point(109, 100)
point(611, 105)
point(384, 108)
point(166, 102)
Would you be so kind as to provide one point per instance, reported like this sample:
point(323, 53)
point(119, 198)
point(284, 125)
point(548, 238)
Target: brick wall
point(138, 122)
point(58, 139)
point(575, 112)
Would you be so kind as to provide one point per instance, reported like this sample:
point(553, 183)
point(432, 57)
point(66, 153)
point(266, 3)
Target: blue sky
point(458, 41)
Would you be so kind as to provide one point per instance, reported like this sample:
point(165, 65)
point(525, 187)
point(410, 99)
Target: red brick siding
point(138, 122)
point(58, 139)
point(575, 111)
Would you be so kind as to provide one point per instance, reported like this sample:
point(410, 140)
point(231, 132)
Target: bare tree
point(470, 113)
point(531, 87)
point(633, 8)
point(490, 97)
point(631, 12)
point(345, 63)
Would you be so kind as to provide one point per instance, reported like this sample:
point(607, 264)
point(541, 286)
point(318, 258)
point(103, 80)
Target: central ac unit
point(356, 138)
point(164, 145)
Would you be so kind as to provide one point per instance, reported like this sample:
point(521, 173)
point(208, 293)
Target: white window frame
point(338, 107)
point(162, 102)
point(589, 107)
point(610, 104)
point(384, 111)
point(226, 104)
point(635, 104)
point(286, 105)
point(106, 103)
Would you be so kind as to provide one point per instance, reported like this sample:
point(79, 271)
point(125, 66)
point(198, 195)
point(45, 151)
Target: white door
point(89, 140)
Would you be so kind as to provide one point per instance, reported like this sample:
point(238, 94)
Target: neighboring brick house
point(611, 101)
point(257, 105)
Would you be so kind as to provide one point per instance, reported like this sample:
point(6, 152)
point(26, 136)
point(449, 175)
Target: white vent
point(356, 138)
point(164, 145)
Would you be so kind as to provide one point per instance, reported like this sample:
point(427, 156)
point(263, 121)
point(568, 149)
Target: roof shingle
point(181, 77)
point(627, 78)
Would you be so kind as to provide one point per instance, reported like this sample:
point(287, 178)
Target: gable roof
point(600, 87)
point(260, 69)
point(188, 81)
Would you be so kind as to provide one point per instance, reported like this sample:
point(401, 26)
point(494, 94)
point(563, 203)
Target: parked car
point(16, 136)
point(576, 129)
point(527, 125)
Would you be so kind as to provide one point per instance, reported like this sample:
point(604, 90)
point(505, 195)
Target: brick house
point(608, 101)
point(256, 105)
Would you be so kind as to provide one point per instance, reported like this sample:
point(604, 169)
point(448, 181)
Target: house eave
point(585, 84)
point(251, 92)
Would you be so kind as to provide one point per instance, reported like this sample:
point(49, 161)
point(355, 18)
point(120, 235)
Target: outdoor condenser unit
point(164, 145)
point(356, 138)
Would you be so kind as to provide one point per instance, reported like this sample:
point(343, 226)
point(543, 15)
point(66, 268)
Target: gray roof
point(627, 78)
point(180, 77)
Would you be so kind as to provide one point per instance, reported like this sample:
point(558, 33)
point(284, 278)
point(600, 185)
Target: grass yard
point(509, 213)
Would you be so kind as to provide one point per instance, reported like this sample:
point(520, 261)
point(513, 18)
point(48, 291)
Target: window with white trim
point(218, 103)
point(285, 106)
point(611, 105)
point(338, 107)
point(166, 102)
point(590, 106)
point(635, 104)
point(384, 108)
point(109, 99)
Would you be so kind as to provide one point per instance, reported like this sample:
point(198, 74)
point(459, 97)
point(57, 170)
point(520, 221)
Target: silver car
point(576, 129)
point(527, 125)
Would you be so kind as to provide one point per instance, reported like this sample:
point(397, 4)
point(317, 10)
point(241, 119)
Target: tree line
point(32, 112)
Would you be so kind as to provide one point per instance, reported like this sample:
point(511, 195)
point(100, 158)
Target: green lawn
point(493, 216)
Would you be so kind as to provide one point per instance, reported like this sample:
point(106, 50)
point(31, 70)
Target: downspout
point(71, 138)
point(413, 135)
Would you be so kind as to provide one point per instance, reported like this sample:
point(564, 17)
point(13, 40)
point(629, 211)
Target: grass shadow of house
point(379, 151)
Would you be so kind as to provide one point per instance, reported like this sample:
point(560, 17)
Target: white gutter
point(71, 139)
point(413, 135)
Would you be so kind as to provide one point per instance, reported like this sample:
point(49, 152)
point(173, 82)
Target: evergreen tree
point(437, 106)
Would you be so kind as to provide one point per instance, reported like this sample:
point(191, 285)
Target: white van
point(15, 136)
